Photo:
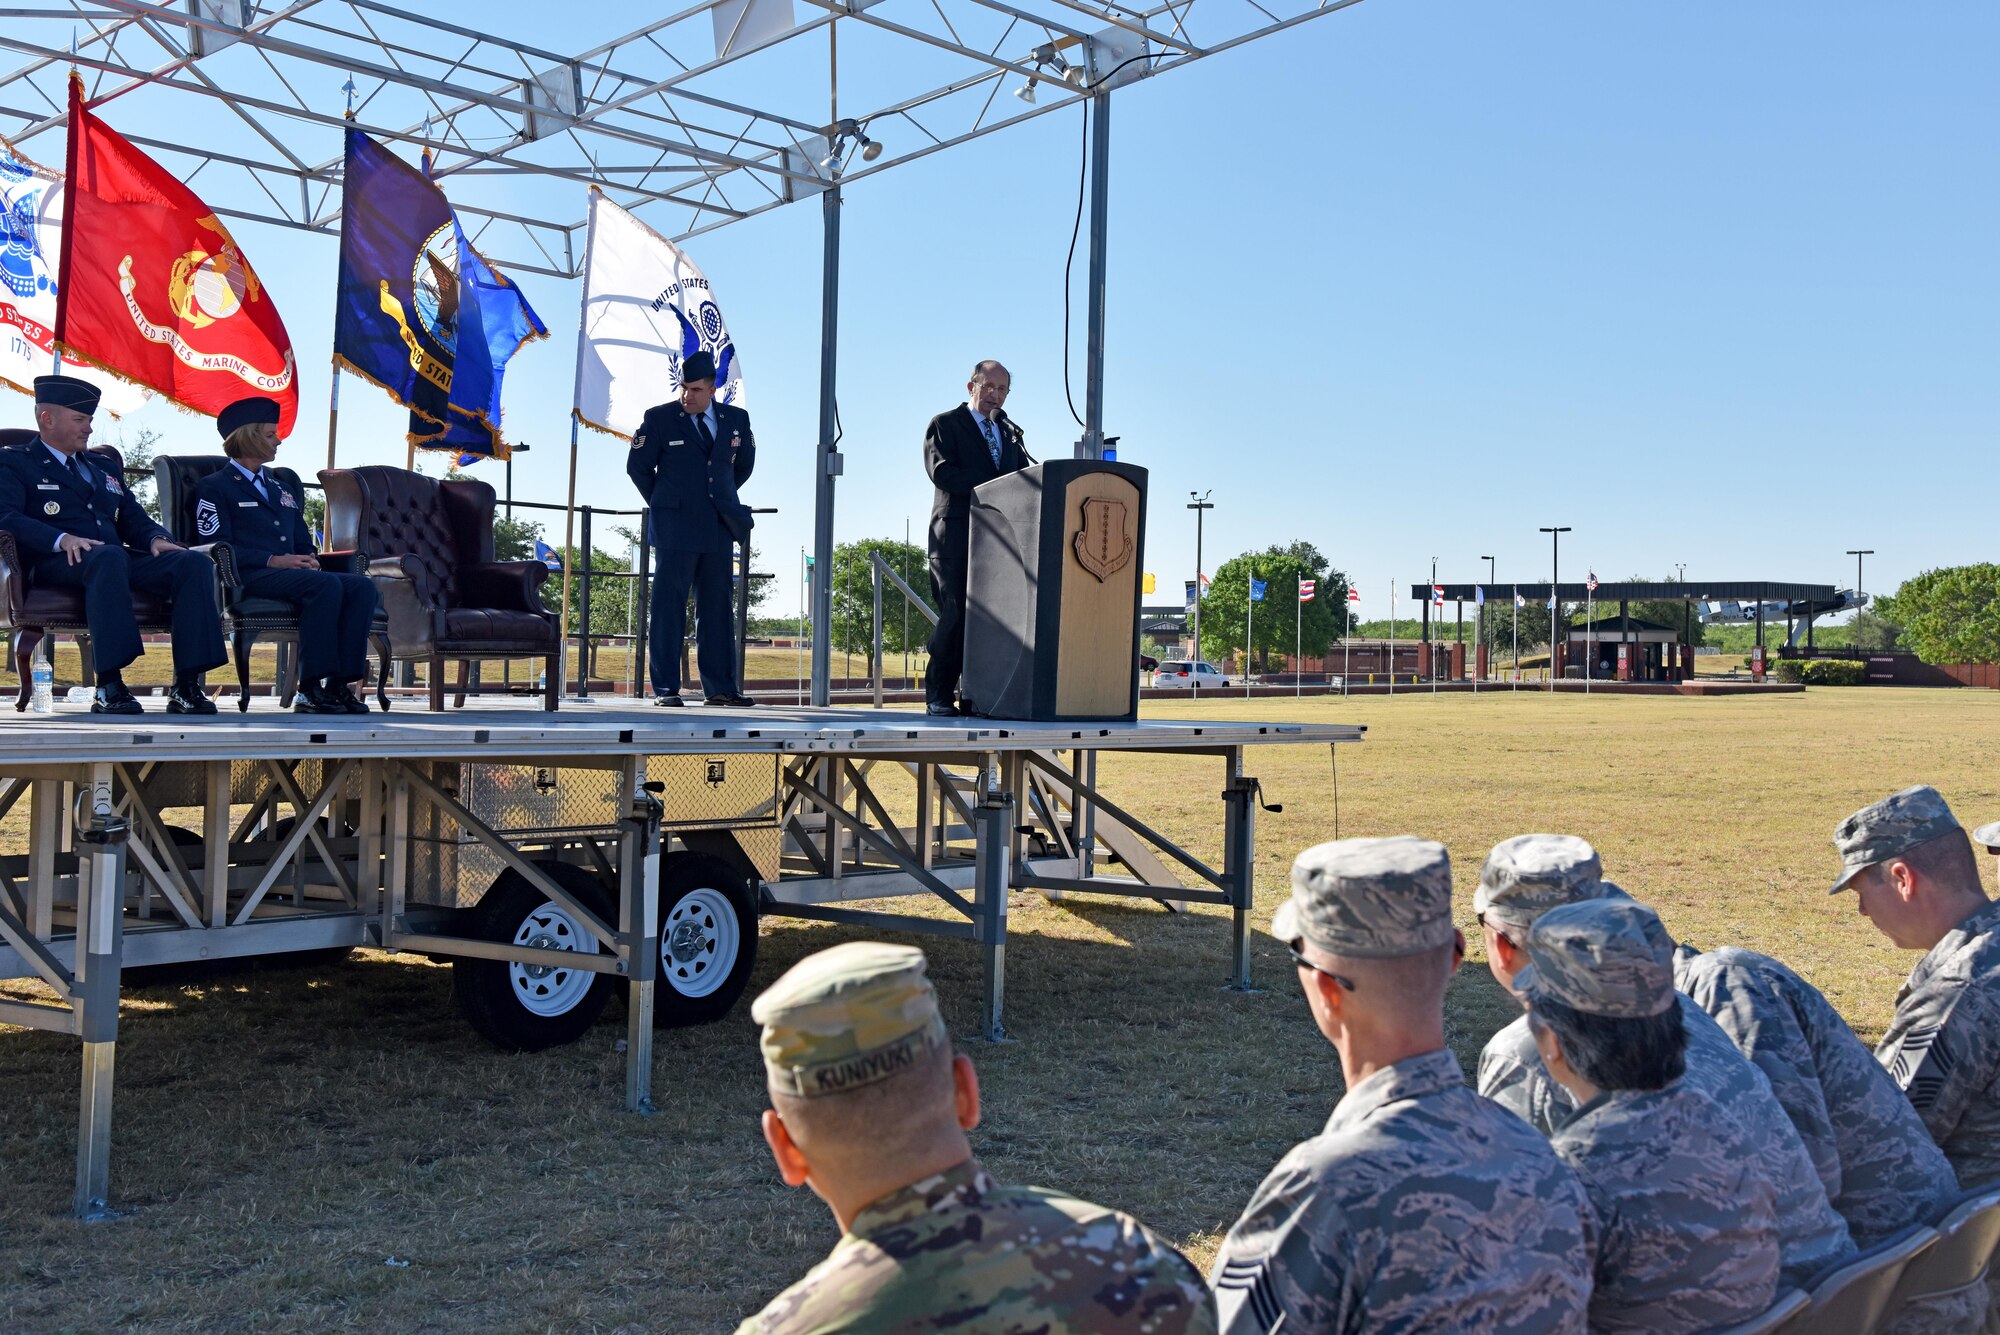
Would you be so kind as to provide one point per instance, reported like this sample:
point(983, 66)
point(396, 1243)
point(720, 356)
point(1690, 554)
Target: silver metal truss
point(718, 111)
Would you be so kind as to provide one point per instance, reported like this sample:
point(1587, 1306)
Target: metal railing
point(878, 569)
point(641, 607)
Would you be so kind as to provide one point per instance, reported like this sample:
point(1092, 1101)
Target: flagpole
point(1517, 639)
point(1392, 635)
point(1478, 635)
point(333, 413)
point(1298, 630)
point(1590, 635)
point(1249, 620)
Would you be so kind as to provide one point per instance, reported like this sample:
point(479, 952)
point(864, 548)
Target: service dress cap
point(847, 1017)
point(246, 412)
point(1370, 898)
point(1607, 957)
point(1891, 828)
point(699, 366)
point(1526, 876)
point(66, 391)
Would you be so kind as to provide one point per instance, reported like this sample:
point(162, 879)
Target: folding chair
point(1850, 1298)
point(1968, 1231)
point(1789, 1303)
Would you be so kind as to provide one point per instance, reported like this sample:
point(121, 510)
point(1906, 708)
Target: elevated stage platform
point(551, 855)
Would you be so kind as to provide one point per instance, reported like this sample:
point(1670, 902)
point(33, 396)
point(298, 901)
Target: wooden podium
point(1052, 593)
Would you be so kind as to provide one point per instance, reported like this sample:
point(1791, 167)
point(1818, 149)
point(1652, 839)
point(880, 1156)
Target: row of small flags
point(1479, 594)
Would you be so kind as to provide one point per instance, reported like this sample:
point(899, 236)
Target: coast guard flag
point(31, 209)
point(152, 286)
point(646, 309)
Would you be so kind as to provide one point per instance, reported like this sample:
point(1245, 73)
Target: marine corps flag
point(152, 288)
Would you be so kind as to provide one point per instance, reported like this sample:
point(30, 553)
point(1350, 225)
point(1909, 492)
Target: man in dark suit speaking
point(973, 443)
point(687, 460)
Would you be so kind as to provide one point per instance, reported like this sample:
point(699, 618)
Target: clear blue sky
point(1713, 283)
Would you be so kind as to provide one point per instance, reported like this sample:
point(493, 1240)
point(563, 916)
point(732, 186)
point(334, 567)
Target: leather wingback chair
point(32, 614)
point(245, 616)
point(430, 549)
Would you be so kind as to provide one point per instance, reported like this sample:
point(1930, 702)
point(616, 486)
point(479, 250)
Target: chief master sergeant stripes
point(77, 527)
point(870, 1109)
point(264, 522)
point(1422, 1206)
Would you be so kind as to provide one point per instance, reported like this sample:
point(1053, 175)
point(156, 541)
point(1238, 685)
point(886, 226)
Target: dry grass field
point(289, 1139)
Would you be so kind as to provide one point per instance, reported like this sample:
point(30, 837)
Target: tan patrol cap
point(847, 1017)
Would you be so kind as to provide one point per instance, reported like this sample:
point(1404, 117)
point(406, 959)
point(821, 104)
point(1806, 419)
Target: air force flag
point(646, 309)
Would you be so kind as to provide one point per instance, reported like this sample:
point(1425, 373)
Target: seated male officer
point(264, 523)
point(77, 527)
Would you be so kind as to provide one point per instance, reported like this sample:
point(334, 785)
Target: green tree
point(1225, 607)
point(1950, 615)
point(139, 452)
point(1873, 629)
point(854, 596)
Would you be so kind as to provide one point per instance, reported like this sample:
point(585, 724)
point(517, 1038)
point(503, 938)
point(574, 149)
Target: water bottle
point(44, 701)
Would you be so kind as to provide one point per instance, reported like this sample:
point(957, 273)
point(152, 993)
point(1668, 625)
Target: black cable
point(1076, 228)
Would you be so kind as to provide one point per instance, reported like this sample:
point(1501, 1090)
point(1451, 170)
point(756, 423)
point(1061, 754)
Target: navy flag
point(419, 312)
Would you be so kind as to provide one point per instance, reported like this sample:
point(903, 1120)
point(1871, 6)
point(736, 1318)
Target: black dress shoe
point(732, 701)
point(114, 698)
point(941, 709)
point(187, 697)
point(671, 700)
point(342, 694)
point(316, 699)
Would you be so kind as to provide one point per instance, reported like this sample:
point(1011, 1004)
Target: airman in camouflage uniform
point(1421, 1206)
point(1881, 1168)
point(866, 1090)
point(1530, 875)
point(1689, 1220)
point(1917, 879)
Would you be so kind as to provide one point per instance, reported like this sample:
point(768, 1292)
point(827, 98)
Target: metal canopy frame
point(707, 116)
point(719, 111)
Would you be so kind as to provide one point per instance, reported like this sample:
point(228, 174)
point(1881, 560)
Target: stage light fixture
point(870, 149)
point(1026, 92)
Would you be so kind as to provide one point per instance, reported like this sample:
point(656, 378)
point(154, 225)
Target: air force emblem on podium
point(1101, 543)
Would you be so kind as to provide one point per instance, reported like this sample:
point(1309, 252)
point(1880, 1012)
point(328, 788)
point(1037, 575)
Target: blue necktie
point(992, 439)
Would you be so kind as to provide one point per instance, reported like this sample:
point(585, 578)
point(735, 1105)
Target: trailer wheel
point(708, 940)
point(529, 1007)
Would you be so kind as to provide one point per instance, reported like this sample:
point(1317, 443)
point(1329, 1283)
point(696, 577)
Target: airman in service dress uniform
point(867, 1091)
point(1421, 1206)
point(1688, 1235)
point(264, 523)
point(1528, 876)
point(687, 459)
point(78, 527)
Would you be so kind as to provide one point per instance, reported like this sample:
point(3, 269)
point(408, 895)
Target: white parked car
point(1181, 674)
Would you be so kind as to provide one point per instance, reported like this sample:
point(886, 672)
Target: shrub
point(1793, 669)
point(1835, 672)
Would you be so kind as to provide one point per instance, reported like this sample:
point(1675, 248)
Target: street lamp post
point(1555, 605)
point(1201, 505)
point(1491, 567)
point(1857, 554)
point(518, 449)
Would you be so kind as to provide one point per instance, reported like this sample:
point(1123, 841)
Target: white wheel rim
point(699, 942)
point(551, 989)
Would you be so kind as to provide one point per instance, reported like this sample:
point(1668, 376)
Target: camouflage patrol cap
point(1602, 957)
point(1526, 876)
point(1889, 829)
point(1370, 898)
point(1988, 835)
point(847, 1017)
